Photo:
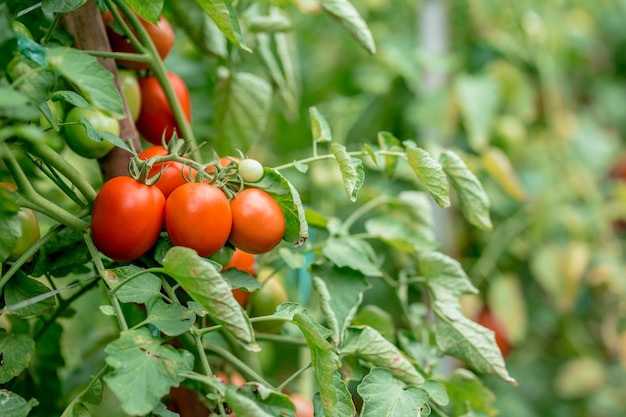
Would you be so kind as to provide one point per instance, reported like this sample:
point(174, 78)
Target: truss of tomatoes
point(263, 209)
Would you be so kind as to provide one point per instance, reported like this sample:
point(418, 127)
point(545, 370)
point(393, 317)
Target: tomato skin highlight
point(172, 174)
point(242, 261)
point(156, 118)
point(127, 218)
point(258, 222)
point(198, 216)
point(162, 36)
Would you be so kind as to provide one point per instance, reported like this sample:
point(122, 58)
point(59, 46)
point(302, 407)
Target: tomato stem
point(239, 364)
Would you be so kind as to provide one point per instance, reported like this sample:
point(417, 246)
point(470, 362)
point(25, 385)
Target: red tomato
point(162, 36)
point(127, 218)
point(173, 171)
point(156, 119)
point(488, 320)
point(242, 261)
point(258, 222)
point(198, 216)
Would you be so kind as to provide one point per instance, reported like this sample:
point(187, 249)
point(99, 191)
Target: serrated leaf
point(288, 198)
point(479, 97)
point(341, 293)
point(17, 353)
point(349, 17)
point(200, 27)
point(144, 370)
point(473, 199)
point(27, 293)
point(94, 82)
point(149, 10)
point(171, 319)
point(12, 405)
point(352, 253)
point(140, 289)
point(225, 18)
point(242, 106)
point(430, 174)
point(367, 344)
point(334, 392)
point(351, 170)
point(61, 6)
point(320, 128)
point(383, 395)
point(202, 281)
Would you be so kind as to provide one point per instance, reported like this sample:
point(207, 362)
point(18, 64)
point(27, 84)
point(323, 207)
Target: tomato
point(127, 218)
point(53, 139)
point(250, 170)
point(76, 134)
point(171, 172)
point(29, 233)
point(304, 406)
point(162, 36)
point(264, 301)
point(258, 222)
point(130, 88)
point(487, 319)
point(198, 216)
point(242, 261)
point(156, 119)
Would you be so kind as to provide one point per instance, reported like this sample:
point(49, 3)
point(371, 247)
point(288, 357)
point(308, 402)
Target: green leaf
point(202, 281)
point(341, 293)
point(171, 319)
point(351, 170)
point(72, 98)
point(94, 82)
point(288, 198)
point(334, 392)
point(17, 353)
point(202, 30)
point(100, 135)
point(383, 395)
point(269, 24)
point(140, 289)
point(242, 106)
point(377, 318)
point(16, 105)
point(25, 296)
point(430, 174)
point(144, 370)
point(12, 405)
point(367, 344)
point(409, 224)
point(225, 17)
point(479, 97)
point(349, 17)
point(149, 10)
point(387, 141)
point(473, 199)
point(467, 393)
point(352, 253)
point(61, 6)
point(437, 392)
point(444, 275)
point(319, 126)
point(240, 279)
point(252, 400)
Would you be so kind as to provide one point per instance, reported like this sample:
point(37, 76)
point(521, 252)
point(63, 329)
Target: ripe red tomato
point(156, 118)
point(127, 218)
point(258, 222)
point(162, 36)
point(304, 406)
point(487, 319)
point(198, 216)
point(242, 261)
point(172, 171)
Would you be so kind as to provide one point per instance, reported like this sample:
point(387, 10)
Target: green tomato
point(250, 170)
point(131, 91)
point(264, 301)
point(30, 233)
point(53, 139)
point(76, 134)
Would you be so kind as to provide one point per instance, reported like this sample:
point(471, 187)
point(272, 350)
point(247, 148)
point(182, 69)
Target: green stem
point(128, 56)
point(204, 361)
point(362, 210)
point(51, 28)
point(98, 376)
point(239, 364)
point(291, 340)
point(294, 376)
point(321, 157)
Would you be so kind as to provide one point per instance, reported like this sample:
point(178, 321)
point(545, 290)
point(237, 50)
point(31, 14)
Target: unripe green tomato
point(131, 91)
point(53, 139)
point(76, 134)
point(30, 233)
point(264, 301)
point(250, 170)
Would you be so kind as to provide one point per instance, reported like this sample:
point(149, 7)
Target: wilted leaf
point(319, 126)
point(351, 170)
point(383, 395)
point(349, 17)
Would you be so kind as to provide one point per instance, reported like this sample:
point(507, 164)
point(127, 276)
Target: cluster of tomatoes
point(128, 215)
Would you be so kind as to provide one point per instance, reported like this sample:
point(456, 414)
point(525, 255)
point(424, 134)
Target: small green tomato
point(250, 170)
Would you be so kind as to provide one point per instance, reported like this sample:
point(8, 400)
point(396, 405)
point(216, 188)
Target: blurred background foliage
point(531, 92)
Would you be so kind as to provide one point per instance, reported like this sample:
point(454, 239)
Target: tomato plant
point(173, 174)
point(242, 261)
point(57, 111)
point(161, 34)
point(258, 222)
point(127, 218)
point(77, 137)
point(198, 216)
point(132, 92)
point(264, 301)
point(250, 170)
point(156, 121)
